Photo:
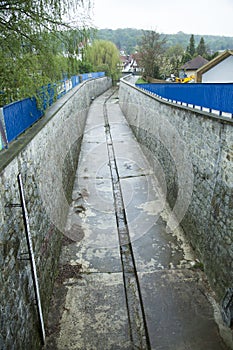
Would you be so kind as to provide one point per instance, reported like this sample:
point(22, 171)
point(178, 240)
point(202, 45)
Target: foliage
point(201, 48)
point(141, 81)
point(174, 56)
point(36, 47)
point(152, 51)
point(193, 51)
point(210, 57)
point(191, 47)
point(128, 39)
point(186, 57)
point(25, 17)
point(125, 40)
point(85, 67)
point(104, 56)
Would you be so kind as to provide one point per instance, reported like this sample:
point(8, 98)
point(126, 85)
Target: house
point(191, 67)
point(218, 70)
point(126, 61)
point(136, 63)
point(123, 62)
point(129, 64)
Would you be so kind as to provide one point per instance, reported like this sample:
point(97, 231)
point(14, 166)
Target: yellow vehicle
point(186, 79)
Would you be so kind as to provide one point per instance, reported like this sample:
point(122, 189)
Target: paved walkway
point(126, 280)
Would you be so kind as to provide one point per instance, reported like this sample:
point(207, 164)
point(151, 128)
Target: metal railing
point(216, 98)
point(18, 116)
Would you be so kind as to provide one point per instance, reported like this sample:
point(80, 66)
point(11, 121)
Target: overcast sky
point(214, 17)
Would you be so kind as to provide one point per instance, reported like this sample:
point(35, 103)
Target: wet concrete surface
point(138, 285)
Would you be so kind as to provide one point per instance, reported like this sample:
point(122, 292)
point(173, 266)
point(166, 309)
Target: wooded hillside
point(127, 39)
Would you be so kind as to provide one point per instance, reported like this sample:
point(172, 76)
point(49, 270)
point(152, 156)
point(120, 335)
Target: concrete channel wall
point(192, 154)
point(46, 155)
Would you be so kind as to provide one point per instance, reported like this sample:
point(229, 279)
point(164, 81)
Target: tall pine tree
point(191, 47)
point(201, 48)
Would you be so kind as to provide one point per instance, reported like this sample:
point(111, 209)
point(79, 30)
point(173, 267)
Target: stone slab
point(179, 316)
point(93, 161)
point(95, 315)
point(130, 159)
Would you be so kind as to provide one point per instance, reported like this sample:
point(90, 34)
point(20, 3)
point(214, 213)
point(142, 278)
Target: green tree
point(211, 57)
point(74, 46)
point(32, 50)
point(186, 57)
point(125, 39)
point(174, 56)
point(85, 67)
point(24, 17)
point(104, 56)
point(201, 48)
point(190, 50)
point(152, 49)
point(128, 39)
point(191, 47)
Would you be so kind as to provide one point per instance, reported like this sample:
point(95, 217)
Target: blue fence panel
point(51, 93)
point(47, 95)
point(75, 80)
point(98, 74)
point(86, 76)
point(68, 85)
point(95, 75)
point(213, 96)
point(19, 116)
point(61, 89)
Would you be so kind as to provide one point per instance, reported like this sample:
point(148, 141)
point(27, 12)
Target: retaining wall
point(46, 155)
point(192, 154)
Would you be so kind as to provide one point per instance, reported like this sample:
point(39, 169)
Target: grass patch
point(199, 265)
point(141, 81)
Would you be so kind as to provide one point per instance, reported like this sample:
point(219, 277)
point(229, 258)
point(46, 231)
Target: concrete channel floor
point(127, 281)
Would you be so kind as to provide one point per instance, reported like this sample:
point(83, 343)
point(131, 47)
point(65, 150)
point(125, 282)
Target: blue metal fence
point(18, 116)
point(86, 76)
point(206, 95)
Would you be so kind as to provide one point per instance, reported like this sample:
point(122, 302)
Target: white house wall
point(221, 73)
point(190, 72)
